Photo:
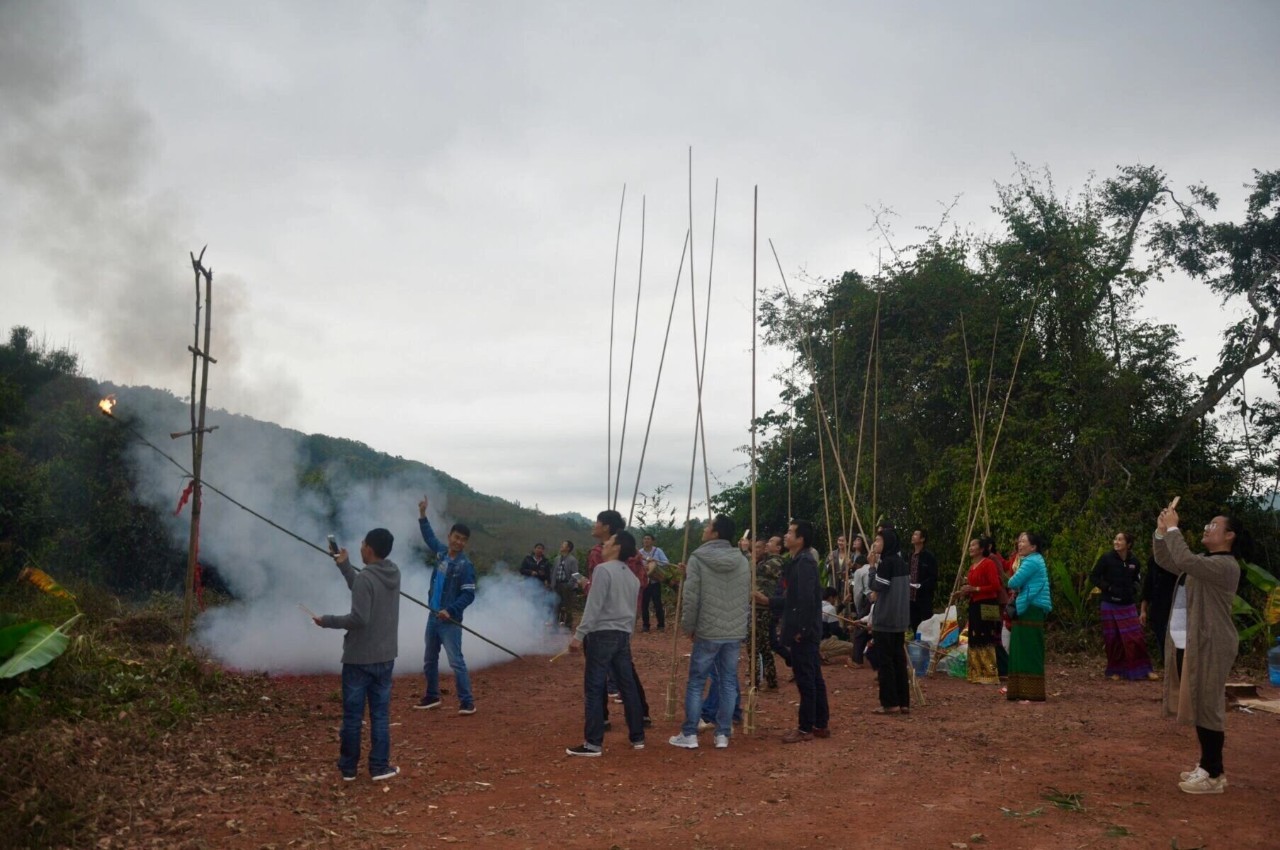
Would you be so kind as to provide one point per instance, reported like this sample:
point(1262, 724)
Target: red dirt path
point(968, 768)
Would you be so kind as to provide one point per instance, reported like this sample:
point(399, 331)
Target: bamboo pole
point(197, 452)
point(613, 310)
point(635, 330)
point(753, 692)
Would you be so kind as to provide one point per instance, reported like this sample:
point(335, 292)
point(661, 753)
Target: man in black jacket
point(924, 578)
point(799, 609)
point(537, 566)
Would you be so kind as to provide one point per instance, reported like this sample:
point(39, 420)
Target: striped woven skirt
point(1126, 644)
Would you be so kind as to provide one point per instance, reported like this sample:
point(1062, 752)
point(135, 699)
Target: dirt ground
point(966, 769)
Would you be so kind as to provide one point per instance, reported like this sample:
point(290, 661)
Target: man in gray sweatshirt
point(716, 614)
point(604, 637)
point(368, 653)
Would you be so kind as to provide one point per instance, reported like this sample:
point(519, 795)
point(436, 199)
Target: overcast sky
point(411, 208)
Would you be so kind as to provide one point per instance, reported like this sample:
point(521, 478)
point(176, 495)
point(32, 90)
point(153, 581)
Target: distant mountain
point(326, 469)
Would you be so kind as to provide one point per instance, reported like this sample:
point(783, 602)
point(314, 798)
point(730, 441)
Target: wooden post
point(199, 352)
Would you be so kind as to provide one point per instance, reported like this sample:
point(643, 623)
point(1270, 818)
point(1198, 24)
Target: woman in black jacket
point(1117, 575)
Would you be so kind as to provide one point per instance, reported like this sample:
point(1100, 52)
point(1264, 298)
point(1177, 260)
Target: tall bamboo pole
point(197, 453)
point(753, 693)
point(609, 498)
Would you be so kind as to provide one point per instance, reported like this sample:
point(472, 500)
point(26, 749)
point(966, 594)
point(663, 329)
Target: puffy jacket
point(717, 592)
point(1032, 583)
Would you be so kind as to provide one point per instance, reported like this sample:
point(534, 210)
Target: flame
point(107, 404)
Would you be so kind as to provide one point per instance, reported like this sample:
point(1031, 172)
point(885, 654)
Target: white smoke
point(272, 574)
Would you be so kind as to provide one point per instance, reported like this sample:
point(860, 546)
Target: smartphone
point(1174, 503)
point(333, 544)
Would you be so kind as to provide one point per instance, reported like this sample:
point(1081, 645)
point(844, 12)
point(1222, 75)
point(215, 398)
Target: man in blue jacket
point(453, 588)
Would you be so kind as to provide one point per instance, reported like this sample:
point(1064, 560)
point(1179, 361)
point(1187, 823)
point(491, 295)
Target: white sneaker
point(704, 725)
point(1191, 775)
point(688, 742)
point(722, 742)
point(1205, 784)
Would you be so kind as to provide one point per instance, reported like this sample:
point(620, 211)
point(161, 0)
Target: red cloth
point(185, 497)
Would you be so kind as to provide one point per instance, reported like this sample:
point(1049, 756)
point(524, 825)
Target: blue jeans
point(707, 654)
point(711, 703)
point(448, 635)
point(609, 652)
point(363, 683)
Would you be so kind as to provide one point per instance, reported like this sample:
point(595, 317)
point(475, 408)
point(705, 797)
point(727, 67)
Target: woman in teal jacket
point(1032, 606)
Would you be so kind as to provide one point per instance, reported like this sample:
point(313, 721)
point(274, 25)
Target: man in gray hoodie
point(368, 653)
point(716, 614)
point(604, 637)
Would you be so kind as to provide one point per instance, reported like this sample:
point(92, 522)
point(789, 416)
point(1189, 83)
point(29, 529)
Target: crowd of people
point(865, 597)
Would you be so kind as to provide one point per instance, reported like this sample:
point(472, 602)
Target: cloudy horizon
point(411, 207)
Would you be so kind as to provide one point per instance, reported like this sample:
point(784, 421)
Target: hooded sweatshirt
point(717, 593)
point(892, 586)
point(374, 620)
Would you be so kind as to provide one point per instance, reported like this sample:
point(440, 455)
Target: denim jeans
point(609, 652)
point(807, 664)
point(711, 704)
point(448, 635)
point(363, 683)
point(723, 656)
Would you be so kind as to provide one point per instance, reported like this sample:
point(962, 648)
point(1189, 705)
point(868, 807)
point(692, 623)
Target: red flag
point(185, 497)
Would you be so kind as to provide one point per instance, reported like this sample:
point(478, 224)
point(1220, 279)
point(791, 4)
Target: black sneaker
point(583, 750)
point(467, 709)
point(386, 773)
point(647, 723)
point(426, 703)
point(608, 725)
point(348, 777)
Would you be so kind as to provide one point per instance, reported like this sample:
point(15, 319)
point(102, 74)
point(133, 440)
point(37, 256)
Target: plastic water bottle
point(1273, 664)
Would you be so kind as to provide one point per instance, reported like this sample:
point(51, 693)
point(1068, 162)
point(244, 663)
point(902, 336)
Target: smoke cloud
point(75, 150)
point(271, 574)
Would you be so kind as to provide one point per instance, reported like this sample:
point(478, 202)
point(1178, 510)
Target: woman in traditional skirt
point(1026, 643)
point(983, 589)
point(1117, 575)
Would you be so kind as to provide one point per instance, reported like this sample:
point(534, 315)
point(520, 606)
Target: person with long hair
point(890, 617)
point(1118, 575)
point(982, 587)
point(1032, 606)
point(1202, 640)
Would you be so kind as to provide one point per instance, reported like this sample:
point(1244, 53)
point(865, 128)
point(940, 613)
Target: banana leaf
point(1258, 577)
point(12, 635)
point(40, 646)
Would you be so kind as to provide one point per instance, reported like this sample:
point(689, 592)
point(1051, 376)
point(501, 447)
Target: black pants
point(652, 595)
point(775, 643)
point(895, 686)
point(1211, 740)
point(635, 681)
point(807, 664)
point(609, 652)
point(861, 637)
